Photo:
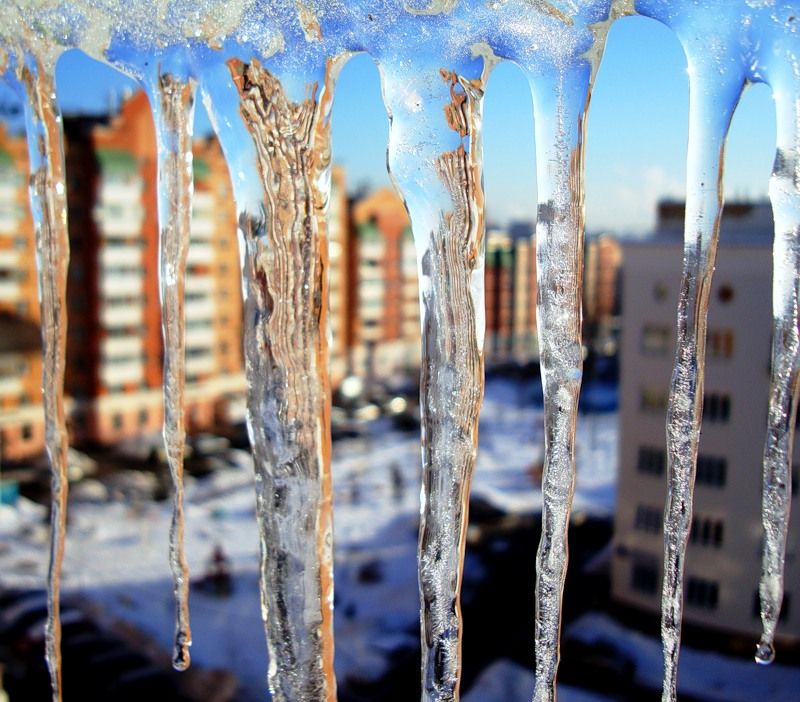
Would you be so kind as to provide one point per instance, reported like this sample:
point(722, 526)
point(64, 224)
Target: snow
point(702, 675)
point(504, 681)
point(117, 558)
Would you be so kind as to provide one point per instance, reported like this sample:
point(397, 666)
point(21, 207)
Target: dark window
point(702, 594)
point(725, 293)
point(648, 519)
point(144, 417)
point(651, 461)
point(707, 531)
point(720, 343)
point(116, 421)
point(27, 431)
point(711, 471)
point(644, 577)
point(716, 408)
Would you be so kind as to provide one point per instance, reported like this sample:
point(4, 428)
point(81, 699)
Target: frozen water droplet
point(765, 653)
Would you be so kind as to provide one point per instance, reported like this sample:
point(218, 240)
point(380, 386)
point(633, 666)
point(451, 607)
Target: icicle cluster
point(267, 70)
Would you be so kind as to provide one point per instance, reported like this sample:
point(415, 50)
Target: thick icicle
point(712, 99)
point(560, 100)
point(173, 107)
point(286, 362)
point(777, 489)
point(48, 197)
point(436, 163)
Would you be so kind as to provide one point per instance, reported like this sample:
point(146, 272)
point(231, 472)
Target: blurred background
point(118, 624)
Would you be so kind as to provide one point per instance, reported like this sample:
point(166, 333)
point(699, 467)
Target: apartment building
point(21, 414)
point(385, 313)
point(510, 290)
point(724, 551)
point(339, 237)
point(114, 348)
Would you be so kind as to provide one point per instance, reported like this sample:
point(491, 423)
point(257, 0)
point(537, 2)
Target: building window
point(716, 408)
point(26, 432)
point(144, 417)
point(644, 577)
point(653, 400)
point(116, 421)
point(786, 606)
point(702, 594)
point(651, 461)
point(711, 471)
point(648, 519)
point(660, 292)
point(725, 293)
point(707, 532)
point(720, 343)
point(656, 339)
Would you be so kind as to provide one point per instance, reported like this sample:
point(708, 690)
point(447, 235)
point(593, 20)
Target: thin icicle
point(173, 107)
point(560, 99)
point(777, 489)
point(447, 218)
point(286, 362)
point(48, 198)
point(713, 98)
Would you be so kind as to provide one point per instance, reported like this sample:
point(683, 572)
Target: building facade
point(724, 552)
point(385, 312)
point(114, 347)
point(21, 414)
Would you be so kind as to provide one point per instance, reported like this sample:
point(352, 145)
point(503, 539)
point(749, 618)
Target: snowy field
point(117, 553)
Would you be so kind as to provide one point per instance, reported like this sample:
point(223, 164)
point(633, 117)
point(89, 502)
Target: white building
point(724, 554)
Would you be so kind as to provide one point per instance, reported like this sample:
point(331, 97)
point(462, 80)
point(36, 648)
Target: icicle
point(173, 107)
point(713, 95)
point(286, 362)
point(48, 198)
point(777, 477)
point(436, 165)
point(560, 98)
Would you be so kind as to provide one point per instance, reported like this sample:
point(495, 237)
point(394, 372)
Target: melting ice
point(267, 72)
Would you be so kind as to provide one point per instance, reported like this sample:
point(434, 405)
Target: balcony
point(202, 337)
point(122, 285)
point(122, 346)
point(197, 284)
point(200, 364)
point(200, 254)
point(120, 255)
point(117, 316)
point(10, 291)
point(11, 387)
point(198, 309)
point(122, 373)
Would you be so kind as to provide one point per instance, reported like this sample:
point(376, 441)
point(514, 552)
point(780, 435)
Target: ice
point(49, 207)
point(267, 72)
point(285, 256)
point(172, 97)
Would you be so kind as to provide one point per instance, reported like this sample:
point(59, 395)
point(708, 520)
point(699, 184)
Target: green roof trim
point(200, 169)
point(116, 161)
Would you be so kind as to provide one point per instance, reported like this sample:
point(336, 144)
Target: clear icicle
point(443, 155)
point(48, 197)
point(713, 98)
point(286, 362)
point(777, 488)
point(560, 99)
point(173, 107)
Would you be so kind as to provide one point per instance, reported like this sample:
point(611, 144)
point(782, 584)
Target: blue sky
point(636, 137)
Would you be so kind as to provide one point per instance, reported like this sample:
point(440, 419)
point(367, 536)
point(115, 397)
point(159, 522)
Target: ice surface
point(173, 108)
point(267, 70)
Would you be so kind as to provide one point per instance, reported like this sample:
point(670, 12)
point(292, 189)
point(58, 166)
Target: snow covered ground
point(117, 550)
